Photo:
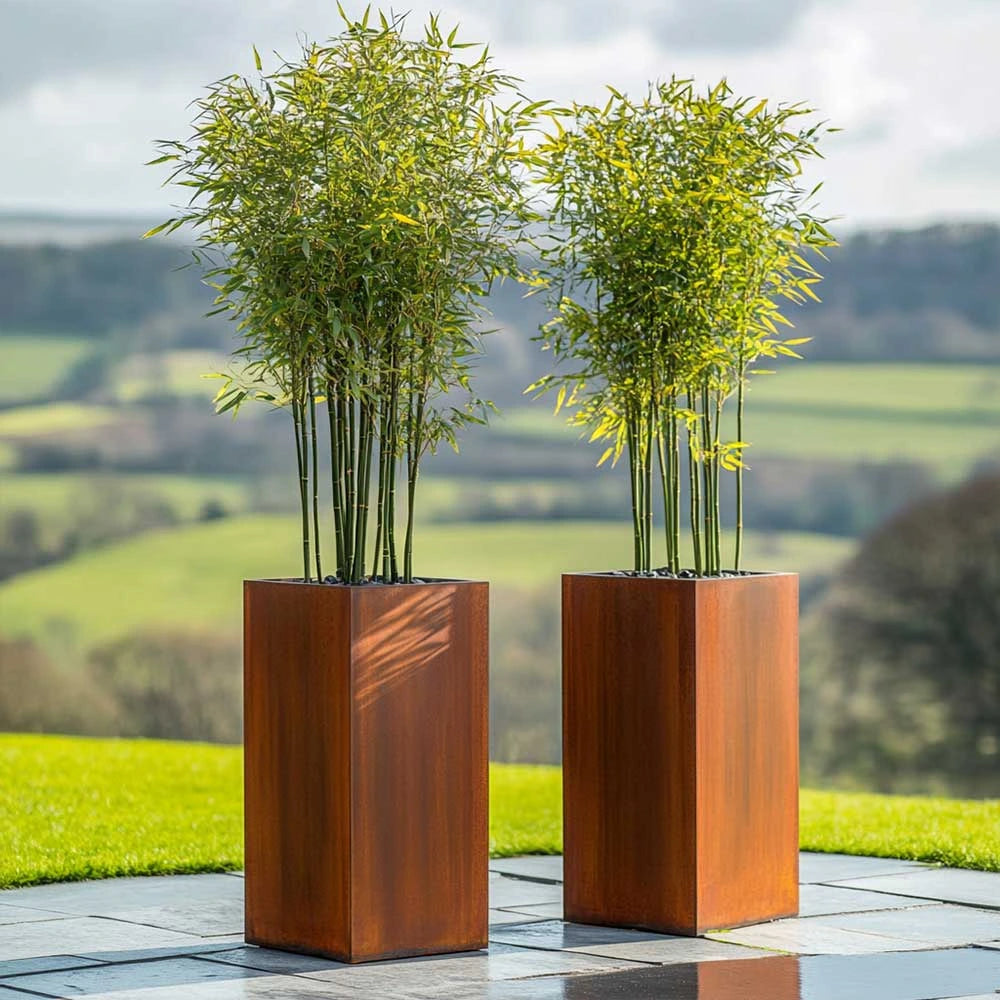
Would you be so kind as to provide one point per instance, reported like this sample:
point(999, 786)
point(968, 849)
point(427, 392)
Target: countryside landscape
point(131, 513)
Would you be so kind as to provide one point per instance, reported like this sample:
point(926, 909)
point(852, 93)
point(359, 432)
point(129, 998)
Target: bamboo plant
point(680, 229)
point(352, 208)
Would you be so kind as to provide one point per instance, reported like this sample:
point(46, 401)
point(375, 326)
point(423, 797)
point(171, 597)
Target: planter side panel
point(628, 752)
point(748, 763)
point(419, 867)
point(296, 736)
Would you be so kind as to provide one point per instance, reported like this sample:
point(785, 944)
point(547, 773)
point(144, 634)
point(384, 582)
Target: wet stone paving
point(869, 929)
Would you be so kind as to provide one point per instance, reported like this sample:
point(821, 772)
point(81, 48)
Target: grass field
point(52, 495)
point(192, 576)
point(56, 418)
point(77, 808)
point(32, 366)
point(178, 372)
point(945, 415)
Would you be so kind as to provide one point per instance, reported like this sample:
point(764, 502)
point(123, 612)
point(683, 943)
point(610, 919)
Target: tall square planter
point(680, 750)
point(365, 732)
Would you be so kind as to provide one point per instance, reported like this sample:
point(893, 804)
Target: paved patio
point(870, 929)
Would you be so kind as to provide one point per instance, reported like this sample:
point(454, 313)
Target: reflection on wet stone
point(923, 975)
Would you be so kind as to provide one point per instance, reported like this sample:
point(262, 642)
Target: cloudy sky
point(86, 85)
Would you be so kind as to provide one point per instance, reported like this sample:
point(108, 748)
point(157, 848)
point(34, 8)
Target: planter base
point(366, 714)
point(680, 751)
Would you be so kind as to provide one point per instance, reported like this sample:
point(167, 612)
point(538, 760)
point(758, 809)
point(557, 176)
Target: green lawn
point(945, 415)
point(32, 366)
point(192, 575)
point(78, 808)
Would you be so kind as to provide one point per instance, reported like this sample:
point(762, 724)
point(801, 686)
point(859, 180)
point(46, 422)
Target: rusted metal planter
point(365, 732)
point(680, 750)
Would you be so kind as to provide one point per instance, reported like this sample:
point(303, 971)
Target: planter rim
point(613, 575)
point(424, 582)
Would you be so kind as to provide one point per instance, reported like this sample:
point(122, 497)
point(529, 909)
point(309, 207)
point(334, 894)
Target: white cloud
point(91, 83)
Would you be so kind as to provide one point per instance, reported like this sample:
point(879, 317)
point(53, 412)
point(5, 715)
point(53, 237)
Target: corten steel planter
point(680, 750)
point(365, 732)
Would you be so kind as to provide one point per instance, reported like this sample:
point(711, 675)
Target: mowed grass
point(944, 415)
point(191, 576)
point(954, 832)
point(31, 366)
point(73, 808)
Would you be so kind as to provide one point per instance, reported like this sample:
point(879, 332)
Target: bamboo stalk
point(414, 447)
point(739, 471)
point(336, 471)
point(633, 480)
point(716, 475)
point(315, 476)
point(350, 482)
point(706, 476)
point(675, 465)
point(366, 442)
point(300, 458)
point(695, 504)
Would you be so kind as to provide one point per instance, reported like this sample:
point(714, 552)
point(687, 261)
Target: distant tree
point(173, 684)
point(901, 664)
point(37, 696)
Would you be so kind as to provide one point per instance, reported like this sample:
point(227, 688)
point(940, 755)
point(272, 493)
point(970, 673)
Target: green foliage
point(81, 808)
point(680, 230)
point(900, 670)
point(364, 197)
point(175, 684)
point(91, 290)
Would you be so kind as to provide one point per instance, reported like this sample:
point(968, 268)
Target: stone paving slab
point(610, 942)
point(512, 892)
point(839, 867)
point(447, 976)
point(947, 885)
point(818, 900)
point(939, 926)
point(82, 935)
point(870, 929)
point(188, 972)
point(44, 963)
point(921, 975)
point(810, 936)
point(193, 946)
point(206, 918)
point(109, 897)
point(24, 914)
point(538, 911)
point(259, 988)
point(544, 867)
point(500, 917)
point(815, 900)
